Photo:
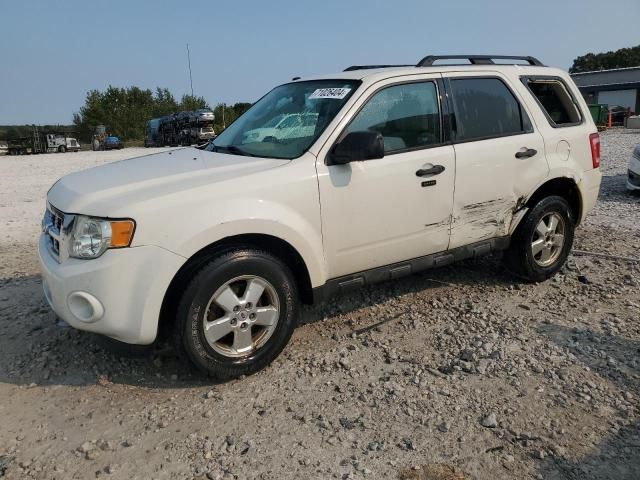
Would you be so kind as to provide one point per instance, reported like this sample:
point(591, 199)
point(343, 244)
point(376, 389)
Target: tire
point(536, 252)
point(237, 352)
point(62, 149)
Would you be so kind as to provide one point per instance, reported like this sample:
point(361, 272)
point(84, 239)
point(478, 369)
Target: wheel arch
point(565, 187)
point(274, 245)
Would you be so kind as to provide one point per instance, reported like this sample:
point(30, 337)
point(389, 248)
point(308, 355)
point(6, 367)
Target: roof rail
point(367, 67)
point(429, 60)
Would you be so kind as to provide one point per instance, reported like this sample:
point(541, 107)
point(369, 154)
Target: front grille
point(52, 227)
point(634, 178)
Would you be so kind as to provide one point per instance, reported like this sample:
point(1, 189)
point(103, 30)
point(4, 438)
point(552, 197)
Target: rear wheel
point(237, 314)
point(543, 240)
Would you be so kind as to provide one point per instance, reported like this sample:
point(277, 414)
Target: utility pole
point(224, 125)
point(189, 62)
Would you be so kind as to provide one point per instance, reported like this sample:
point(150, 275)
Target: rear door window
point(485, 108)
point(556, 101)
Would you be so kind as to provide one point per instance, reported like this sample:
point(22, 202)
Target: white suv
point(405, 168)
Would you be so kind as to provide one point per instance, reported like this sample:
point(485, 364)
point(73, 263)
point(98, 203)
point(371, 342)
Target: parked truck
point(42, 143)
point(180, 128)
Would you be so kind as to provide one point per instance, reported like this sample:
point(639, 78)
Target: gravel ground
point(460, 373)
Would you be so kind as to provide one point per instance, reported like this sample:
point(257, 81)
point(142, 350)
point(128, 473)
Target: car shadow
point(38, 349)
point(613, 188)
point(479, 271)
point(614, 359)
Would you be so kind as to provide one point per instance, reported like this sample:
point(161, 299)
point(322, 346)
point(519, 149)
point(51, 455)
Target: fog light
point(85, 307)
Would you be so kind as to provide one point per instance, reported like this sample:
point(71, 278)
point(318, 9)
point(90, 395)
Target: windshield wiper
point(233, 149)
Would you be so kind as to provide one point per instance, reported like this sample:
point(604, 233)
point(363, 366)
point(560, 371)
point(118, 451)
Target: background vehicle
point(112, 143)
point(151, 133)
point(72, 144)
point(633, 175)
point(42, 143)
point(180, 128)
point(390, 181)
point(284, 126)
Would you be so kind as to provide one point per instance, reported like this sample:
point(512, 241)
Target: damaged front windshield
point(286, 121)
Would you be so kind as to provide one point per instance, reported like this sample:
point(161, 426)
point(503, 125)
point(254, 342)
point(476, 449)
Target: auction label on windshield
point(338, 93)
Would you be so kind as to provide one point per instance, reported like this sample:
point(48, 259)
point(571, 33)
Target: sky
point(52, 52)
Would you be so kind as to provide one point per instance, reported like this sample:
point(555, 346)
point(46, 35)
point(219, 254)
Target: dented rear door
point(500, 157)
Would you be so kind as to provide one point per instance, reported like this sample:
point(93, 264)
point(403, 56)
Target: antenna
point(189, 62)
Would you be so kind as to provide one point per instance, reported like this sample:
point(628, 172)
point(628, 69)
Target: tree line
point(622, 58)
point(124, 111)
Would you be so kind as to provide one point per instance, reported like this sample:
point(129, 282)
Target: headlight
point(91, 237)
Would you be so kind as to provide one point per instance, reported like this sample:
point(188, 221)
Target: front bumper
point(118, 295)
point(633, 174)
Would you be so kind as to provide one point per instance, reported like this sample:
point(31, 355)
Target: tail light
point(594, 141)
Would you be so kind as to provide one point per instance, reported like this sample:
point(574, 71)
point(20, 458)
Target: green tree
point(164, 103)
point(190, 102)
point(227, 114)
point(625, 57)
point(124, 111)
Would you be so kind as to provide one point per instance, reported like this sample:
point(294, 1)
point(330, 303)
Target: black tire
point(228, 265)
point(62, 149)
point(520, 258)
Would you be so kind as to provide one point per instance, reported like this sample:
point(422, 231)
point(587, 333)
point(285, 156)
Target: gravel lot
point(460, 373)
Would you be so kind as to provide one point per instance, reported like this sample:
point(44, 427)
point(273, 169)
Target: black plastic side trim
point(408, 267)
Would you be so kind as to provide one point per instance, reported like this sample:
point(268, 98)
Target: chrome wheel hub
point(548, 239)
point(241, 316)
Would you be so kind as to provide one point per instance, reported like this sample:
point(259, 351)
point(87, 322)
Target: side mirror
point(357, 146)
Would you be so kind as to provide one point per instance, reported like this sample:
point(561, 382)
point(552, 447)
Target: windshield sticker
point(337, 93)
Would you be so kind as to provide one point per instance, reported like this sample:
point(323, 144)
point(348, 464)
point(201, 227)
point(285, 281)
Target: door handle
point(427, 172)
point(526, 153)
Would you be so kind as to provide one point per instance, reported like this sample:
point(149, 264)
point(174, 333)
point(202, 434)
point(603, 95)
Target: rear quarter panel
point(567, 148)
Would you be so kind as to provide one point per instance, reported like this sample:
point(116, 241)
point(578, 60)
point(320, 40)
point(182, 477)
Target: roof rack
point(429, 60)
point(368, 67)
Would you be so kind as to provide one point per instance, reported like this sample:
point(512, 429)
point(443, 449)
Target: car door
point(378, 212)
point(500, 156)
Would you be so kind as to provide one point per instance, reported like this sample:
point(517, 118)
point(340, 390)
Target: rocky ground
point(460, 373)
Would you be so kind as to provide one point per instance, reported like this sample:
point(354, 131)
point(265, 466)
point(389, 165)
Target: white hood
point(109, 189)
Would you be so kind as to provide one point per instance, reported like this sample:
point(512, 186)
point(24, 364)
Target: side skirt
point(353, 281)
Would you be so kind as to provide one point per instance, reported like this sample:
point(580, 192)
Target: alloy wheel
point(548, 239)
point(241, 316)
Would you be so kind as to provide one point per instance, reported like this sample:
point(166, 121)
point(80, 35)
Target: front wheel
point(542, 242)
point(237, 313)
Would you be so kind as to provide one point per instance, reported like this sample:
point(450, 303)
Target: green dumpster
point(599, 112)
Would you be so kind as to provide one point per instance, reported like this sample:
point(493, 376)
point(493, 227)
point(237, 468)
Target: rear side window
point(486, 108)
point(555, 100)
point(406, 115)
